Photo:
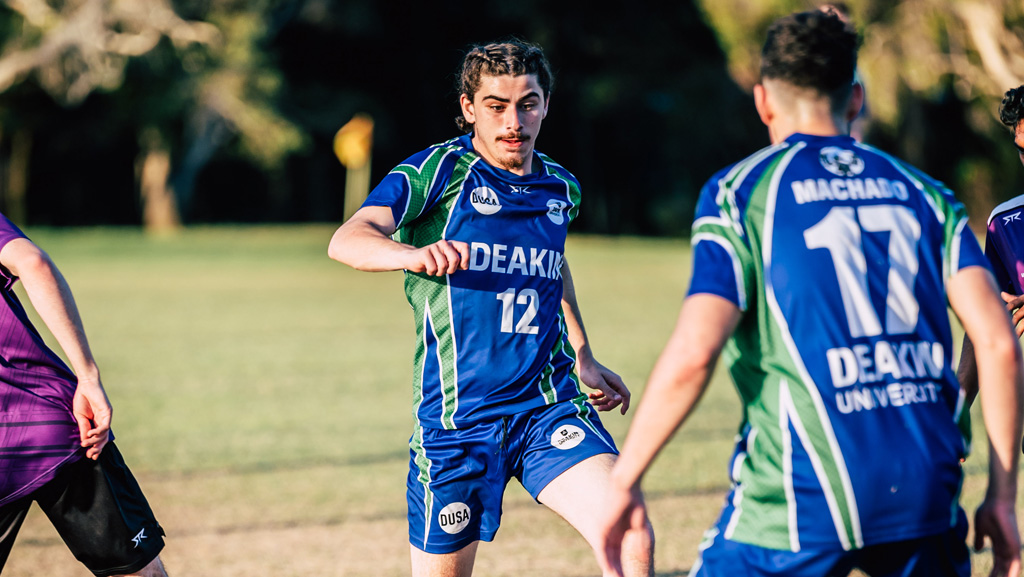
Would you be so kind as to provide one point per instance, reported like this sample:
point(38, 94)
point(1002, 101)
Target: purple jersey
point(38, 432)
point(1004, 245)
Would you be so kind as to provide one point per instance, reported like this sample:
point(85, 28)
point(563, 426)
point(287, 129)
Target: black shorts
point(99, 510)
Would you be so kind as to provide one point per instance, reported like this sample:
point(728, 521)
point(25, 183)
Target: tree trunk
point(17, 176)
point(159, 207)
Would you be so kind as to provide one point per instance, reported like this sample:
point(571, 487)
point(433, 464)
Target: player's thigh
point(455, 564)
point(576, 494)
point(100, 512)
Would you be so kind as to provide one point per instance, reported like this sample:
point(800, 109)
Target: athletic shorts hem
point(130, 568)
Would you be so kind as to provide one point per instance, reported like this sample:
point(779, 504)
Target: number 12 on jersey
point(840, 232)
point(509, 299)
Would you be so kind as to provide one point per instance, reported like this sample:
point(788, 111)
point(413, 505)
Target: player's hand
point(440, 258)
point(997, 520)
point(1015, 304)
point(622, 511)
point(609, 390)
point(93, 412)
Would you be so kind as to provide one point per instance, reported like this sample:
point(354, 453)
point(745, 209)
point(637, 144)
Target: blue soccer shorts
point(457, 477)
point(943, 554)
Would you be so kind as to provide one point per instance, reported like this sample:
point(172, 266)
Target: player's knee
point(155, 568)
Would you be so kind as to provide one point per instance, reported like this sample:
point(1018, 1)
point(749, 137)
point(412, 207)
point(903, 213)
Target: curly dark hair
point(1011, 110)
point(513, 56)
point(815, 49)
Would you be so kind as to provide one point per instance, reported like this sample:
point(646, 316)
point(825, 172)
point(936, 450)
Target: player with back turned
point(479, 225)
point(822, 273)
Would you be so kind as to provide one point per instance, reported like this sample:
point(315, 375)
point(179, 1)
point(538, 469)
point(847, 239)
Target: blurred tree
point(934, 71)
point(643, 110)
point(179, 84)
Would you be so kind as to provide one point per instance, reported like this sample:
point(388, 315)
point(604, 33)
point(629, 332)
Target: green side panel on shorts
point(423, 466)
point(430, 298)
point(759, 360)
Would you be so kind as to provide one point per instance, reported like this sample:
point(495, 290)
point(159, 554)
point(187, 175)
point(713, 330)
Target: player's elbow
point(32, 264)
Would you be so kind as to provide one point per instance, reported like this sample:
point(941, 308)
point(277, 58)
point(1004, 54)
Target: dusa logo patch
point(566, 437)
point(484, 200)
point(840, 161)
point(454, 518)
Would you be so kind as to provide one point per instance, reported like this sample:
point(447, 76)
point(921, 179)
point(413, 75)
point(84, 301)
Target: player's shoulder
point(436, 155)
point(1015, 203)
point(917, 176)
point(747, 170)
point(554, 168)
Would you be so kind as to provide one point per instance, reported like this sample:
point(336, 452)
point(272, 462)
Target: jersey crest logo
point(1011, 218)
point(484, 200)
point(841, 162)
point(519, 189)
point(555, 208)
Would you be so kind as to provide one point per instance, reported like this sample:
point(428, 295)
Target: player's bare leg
point(457, 564)
point(563, 496)
point(154, 569)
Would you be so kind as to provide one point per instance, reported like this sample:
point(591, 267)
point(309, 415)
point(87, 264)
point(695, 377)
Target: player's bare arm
point(609, 390)
point(676, 384)
point(364, 242)
point(51, 296)
point(972, 295)
point(967, 370)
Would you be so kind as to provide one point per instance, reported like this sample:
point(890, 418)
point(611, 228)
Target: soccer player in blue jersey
point(817, 262)
point(479, 225)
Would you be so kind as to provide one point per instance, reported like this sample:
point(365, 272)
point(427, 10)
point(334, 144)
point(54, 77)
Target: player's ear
point(547, 101)
point(856, 102)
point(764, 109)
point(468, 110)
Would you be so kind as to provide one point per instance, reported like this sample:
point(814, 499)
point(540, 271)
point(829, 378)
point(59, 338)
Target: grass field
point(262, 397)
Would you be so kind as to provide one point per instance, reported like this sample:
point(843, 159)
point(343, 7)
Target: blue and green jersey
point(491, 341)
point(853, 421)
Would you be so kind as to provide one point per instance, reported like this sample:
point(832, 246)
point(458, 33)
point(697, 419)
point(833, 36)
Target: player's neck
point(812, 117)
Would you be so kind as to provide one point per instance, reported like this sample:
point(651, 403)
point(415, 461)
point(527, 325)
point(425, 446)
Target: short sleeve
point(415, 186)
point(8, 232)
point(999, 268)
point(722, 262)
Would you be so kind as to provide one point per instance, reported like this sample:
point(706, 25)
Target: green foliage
point(934, 73)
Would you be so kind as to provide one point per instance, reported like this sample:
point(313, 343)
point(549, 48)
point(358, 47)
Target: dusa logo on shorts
point(566, 437)
point(454, 518)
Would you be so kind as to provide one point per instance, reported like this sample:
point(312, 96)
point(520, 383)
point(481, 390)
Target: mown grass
point(262, 396)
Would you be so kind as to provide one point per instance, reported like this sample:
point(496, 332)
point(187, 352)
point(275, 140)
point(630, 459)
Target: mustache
point(514, 136)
